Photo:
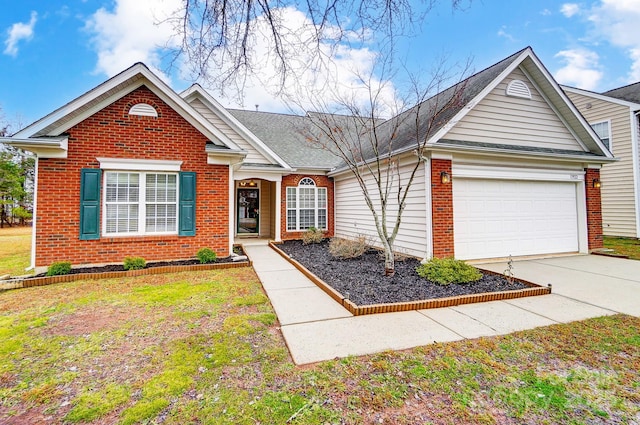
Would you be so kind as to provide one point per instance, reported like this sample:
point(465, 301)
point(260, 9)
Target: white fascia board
point(605, 98)
point(44, 147)
point(558, 90)
point(197, 91)
point(472, 103)
point(149, 79)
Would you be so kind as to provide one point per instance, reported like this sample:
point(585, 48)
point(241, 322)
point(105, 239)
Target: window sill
point(129, 239)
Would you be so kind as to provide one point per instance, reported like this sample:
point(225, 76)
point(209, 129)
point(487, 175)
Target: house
point(615, 116)
point(134, 168)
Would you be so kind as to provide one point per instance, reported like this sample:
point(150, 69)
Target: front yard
point(205, 347)
point(625, 246)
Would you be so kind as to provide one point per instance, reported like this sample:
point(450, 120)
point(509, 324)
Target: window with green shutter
point(90, 181)
point(187, 207)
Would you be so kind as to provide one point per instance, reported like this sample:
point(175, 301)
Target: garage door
point(498, 218)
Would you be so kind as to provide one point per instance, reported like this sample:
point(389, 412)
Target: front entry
point(248, 206)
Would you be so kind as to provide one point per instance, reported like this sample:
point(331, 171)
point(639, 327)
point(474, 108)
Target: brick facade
point(293, 180)
point(594, 209)
point(112, 133)
point(442, 209)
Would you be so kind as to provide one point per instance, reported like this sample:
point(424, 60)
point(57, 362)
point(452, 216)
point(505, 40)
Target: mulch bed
point(362, 280)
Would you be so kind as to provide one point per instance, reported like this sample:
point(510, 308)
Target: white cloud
point(546, 12)
point(17, 32)
point(134, 31)
point(616, 21)
point(503, 33)
point(581, 69)
point(570, 9)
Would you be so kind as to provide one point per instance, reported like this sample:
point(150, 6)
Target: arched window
point(306, 206)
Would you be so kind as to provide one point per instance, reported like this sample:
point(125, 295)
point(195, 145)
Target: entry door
point(248, 211)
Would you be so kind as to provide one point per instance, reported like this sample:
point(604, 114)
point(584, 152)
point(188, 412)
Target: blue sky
point(53, 51)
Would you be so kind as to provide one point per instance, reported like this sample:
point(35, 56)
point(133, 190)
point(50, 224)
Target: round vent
point(144, 110)
point(518, 88)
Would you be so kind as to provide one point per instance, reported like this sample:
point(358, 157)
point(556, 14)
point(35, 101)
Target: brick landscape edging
point(533, 290)
point(49, 280)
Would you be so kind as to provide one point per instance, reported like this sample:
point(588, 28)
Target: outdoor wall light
point(445, 177)
point(596, 183)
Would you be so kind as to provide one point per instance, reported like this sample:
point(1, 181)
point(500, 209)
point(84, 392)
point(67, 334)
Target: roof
point(630, 93)
point(286, 136)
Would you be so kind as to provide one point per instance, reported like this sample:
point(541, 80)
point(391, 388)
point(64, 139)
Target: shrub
point(312, 235)
point(206, 255)
point(348, 248)
point(59, 268)
point(134, 263)
point(445, 271)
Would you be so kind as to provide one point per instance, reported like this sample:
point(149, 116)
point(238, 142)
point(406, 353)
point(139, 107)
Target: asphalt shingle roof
point(630, 93)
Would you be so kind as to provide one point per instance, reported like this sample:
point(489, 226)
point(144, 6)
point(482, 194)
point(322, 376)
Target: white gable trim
point(634, 106)
point(113, 89)
point(197, 91)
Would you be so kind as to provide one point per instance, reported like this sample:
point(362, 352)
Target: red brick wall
point(112, 133)
point(442, 209)
point(293, 180)
point(594, 209)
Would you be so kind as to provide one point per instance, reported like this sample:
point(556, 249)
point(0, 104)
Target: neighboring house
point(614, 115)
point(134, 168)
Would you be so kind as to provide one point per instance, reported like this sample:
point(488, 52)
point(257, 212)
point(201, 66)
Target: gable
point(514, 120)
point(253, 155)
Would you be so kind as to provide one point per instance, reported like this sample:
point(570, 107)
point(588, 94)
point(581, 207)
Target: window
point(306, 206)
point(140, 203)
point(603, 130)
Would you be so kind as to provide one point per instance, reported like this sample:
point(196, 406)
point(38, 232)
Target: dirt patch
point(86, 322)
point(362, 279)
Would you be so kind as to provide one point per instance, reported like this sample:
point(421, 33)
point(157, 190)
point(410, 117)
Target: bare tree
point(217, 38)
point(369, 146)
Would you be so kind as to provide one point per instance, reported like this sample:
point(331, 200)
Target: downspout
point(635, 148)
point(32, 266)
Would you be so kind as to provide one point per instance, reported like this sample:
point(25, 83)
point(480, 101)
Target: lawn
point(205, 347)
point(624, 246)
point(15, 248)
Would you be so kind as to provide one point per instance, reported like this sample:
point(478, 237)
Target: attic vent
point(518, 88)
point(144, 110)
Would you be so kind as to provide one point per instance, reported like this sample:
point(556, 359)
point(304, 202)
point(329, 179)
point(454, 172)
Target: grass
point(624, 246)
point(15, 249)
point(204, 347)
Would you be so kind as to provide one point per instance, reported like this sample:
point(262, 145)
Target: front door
point(248, 211)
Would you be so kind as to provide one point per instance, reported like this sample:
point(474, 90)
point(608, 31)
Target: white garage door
point(498, 218)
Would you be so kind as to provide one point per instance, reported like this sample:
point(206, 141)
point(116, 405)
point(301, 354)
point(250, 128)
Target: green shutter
point(187, 210)
point(90, 180)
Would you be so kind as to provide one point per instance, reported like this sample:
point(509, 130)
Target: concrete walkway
point(316, 328)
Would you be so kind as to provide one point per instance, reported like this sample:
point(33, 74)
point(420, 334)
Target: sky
point(54, 51)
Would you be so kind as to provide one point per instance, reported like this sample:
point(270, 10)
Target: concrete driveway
point(607, 282)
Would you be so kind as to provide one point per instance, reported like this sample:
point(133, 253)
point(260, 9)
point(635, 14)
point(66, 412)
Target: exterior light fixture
point(445, 177)
point(596, 183)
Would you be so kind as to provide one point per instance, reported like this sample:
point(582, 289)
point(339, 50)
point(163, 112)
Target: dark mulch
point(120, 267)
point(362, 279)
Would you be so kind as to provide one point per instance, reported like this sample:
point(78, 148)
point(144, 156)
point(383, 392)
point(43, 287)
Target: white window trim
point(608, 122)
point(141, 204)
point(139, 164)
point(315, 208)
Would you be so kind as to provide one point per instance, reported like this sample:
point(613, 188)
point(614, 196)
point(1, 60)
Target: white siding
point(508, 120)
point(618, 196)
point(353, 217)
point(253, 157)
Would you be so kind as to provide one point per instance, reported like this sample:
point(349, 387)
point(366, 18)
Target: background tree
point(219, 40)
point(369, 145)
point(17, 172)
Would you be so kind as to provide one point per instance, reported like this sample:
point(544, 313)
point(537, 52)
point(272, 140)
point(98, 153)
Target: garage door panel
point(498, 218)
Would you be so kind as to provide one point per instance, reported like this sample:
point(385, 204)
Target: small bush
point(206, 255)
point(445, 271)
point(134, 263)
point(348, 248)
point(312, 235)
point(59, 268)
